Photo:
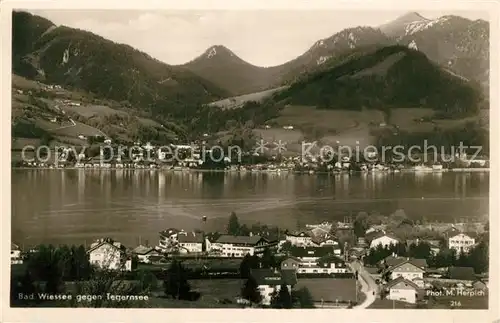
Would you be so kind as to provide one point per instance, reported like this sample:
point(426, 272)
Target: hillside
point(78, 59)
point(42, 113)
point(394, 76)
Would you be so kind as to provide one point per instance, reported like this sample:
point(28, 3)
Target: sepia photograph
point(250, 159)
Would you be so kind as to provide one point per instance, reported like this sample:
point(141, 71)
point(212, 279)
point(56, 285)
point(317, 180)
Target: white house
point(401, 289)
point(385, 240)
point(109, 254)
point(461, 243)
point(190, 242)
point(309, 256)
point(15, 254)
point(239, 246)
point(327, 265)
point(270, 281)
point(409, 270)
point(299, 239)
point(168, 238)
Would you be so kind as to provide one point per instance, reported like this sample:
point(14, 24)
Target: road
point(368, 285)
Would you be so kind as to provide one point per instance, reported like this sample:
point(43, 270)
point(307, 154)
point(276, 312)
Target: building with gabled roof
point(146, 254)
point(408, 269)
point(383, 239)
point(239, 246)
point(190, 242)
point(301, 238)
point(109, 254)
point(401, 289)
point(461, 242)
point(391, 261)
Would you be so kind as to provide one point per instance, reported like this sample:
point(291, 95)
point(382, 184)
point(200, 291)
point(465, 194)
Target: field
point(212, 291)
point(329, 127)
point(91, 110)
point(238, 101)
point(330, 289)
point(389, 304)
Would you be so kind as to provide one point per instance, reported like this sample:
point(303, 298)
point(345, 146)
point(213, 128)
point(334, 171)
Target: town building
point(270, 281)
point(401, 289)
point(409, 270)
point(327, 265)
point(392, 261)
point(191, 242)
point(461, 243)
point(146, 254)
point(299, 238)
point(15, 254)
point(168, 238)
point(383, 239)
point(309, 256)
point(240, 246)
point(109, 254)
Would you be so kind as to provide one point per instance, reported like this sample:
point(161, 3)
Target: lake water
point(78, 206)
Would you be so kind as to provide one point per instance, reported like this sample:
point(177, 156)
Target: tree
point(244, 230)
point(233, 226)
point(281, 298)
point(250, 291)
point(303, 297)
point(479, 258)
point(104, 282)
point(286, 247)
point(147, 280)
point(360, 224)
point(247, 264)
point(176, 284)
point(268, 260)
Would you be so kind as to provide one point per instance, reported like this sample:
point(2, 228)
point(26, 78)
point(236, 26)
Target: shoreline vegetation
point(193, 170)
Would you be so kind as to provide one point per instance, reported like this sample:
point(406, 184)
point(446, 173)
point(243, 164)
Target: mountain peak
point(217, 50)
point(398, 25)
point(412, 16)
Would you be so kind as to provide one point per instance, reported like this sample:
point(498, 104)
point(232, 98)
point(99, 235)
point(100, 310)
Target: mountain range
point(461, 45)
point(411, 62)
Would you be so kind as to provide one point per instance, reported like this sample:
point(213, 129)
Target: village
point(345, 264)
point(198, 156)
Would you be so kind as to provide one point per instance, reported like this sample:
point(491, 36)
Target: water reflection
point(86, 204)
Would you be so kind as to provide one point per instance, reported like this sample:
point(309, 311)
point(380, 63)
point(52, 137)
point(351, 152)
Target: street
point(368, 285)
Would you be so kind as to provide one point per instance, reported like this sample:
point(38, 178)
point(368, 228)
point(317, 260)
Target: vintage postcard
point(332, 160)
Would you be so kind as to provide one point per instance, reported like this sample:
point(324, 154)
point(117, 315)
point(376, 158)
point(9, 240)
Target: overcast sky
point(263, 38)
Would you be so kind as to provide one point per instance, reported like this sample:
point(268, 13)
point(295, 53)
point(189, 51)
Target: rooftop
point(461, 273)
point(190, 237)
point(318, 252)
point(396, 261)
point(398, 280)
point(142, 250)
point(169, 232)
point(242, 240)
